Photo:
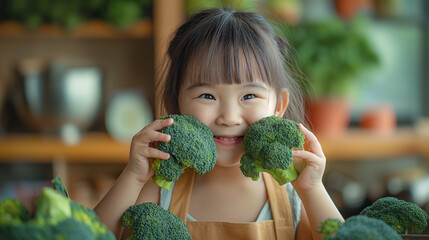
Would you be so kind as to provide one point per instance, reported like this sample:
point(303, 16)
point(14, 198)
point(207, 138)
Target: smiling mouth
point(228, 138)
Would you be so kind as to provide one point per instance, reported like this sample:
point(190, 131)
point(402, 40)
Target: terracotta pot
point(330, 116)
point(348, 9)
point(380, 119)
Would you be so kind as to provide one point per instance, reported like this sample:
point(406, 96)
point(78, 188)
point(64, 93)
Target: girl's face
point(228, 110)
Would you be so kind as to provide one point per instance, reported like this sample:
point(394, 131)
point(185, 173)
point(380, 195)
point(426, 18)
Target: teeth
point(228, 139)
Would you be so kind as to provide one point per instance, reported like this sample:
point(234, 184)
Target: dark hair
point(223, 45)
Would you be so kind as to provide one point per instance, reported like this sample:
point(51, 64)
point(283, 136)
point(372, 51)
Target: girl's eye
point(206, 96)
point(248, 96)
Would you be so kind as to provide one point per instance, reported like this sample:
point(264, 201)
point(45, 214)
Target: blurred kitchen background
point(77, 81)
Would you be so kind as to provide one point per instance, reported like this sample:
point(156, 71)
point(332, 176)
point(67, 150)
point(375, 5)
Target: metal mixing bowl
point(51, 96)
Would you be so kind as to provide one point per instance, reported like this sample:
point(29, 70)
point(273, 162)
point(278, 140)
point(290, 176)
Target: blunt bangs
point(232, 52)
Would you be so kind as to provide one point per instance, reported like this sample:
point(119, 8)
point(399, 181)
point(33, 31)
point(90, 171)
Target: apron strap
point(182, 194)
point(280, 207)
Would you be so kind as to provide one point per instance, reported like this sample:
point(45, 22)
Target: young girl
point(227, 69)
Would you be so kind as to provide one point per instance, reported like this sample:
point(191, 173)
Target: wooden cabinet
point(130, 58)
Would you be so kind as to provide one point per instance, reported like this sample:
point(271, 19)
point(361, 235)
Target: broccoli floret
point(405, 217)
point(329, 227)
point(28, 230)
point(13, 211)
point(15, 222)
point(268, 146)
point(56, 218)
point(358, 228)
point(150, 221)
point(71, 229)
point(52, 207)
point(191, 146)
point(83, 214)
point(68, 229)
point(90, 219)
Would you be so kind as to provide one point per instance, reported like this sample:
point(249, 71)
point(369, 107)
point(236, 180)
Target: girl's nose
point(229, 115)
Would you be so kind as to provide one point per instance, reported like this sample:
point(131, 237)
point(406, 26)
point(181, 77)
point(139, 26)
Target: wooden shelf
point(355, 145)
point(93, 147)
point(95, 29)
point(365, 145)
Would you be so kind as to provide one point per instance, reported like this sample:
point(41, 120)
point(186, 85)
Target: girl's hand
point(310, 164)
point(143, 150)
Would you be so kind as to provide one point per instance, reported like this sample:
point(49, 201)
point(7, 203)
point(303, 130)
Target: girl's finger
point(315, 146)
point(308, 157)
point(158, 124)
point(158, 137)
point(165, 123)
point(148, 136)
point(154, 153)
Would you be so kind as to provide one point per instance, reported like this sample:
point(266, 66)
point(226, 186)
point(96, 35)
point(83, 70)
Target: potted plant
point(330, 54)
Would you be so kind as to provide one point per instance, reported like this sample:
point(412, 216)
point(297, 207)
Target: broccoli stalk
point(150, 221)
point(191, 146)
point(268, 146)
point(405, 217)
point(166, 171)
point(357, 228)
point(162, 182)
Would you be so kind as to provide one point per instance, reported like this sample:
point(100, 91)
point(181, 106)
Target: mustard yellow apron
point(281, 227)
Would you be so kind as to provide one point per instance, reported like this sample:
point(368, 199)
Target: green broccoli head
point(52, 207)
point(191, 146)
point(67, 229)
point(358, 228)
point(56, 218)
point(28, 230)
point(150, 221)
point(329, 227)
point(82, 216)
point(13, 211)
point(15, 222)
point(268, 146)
point(72, 229)
point(90, 219)
point(405, 217)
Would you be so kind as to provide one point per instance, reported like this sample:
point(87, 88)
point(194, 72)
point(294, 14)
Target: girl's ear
point(282, 103)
